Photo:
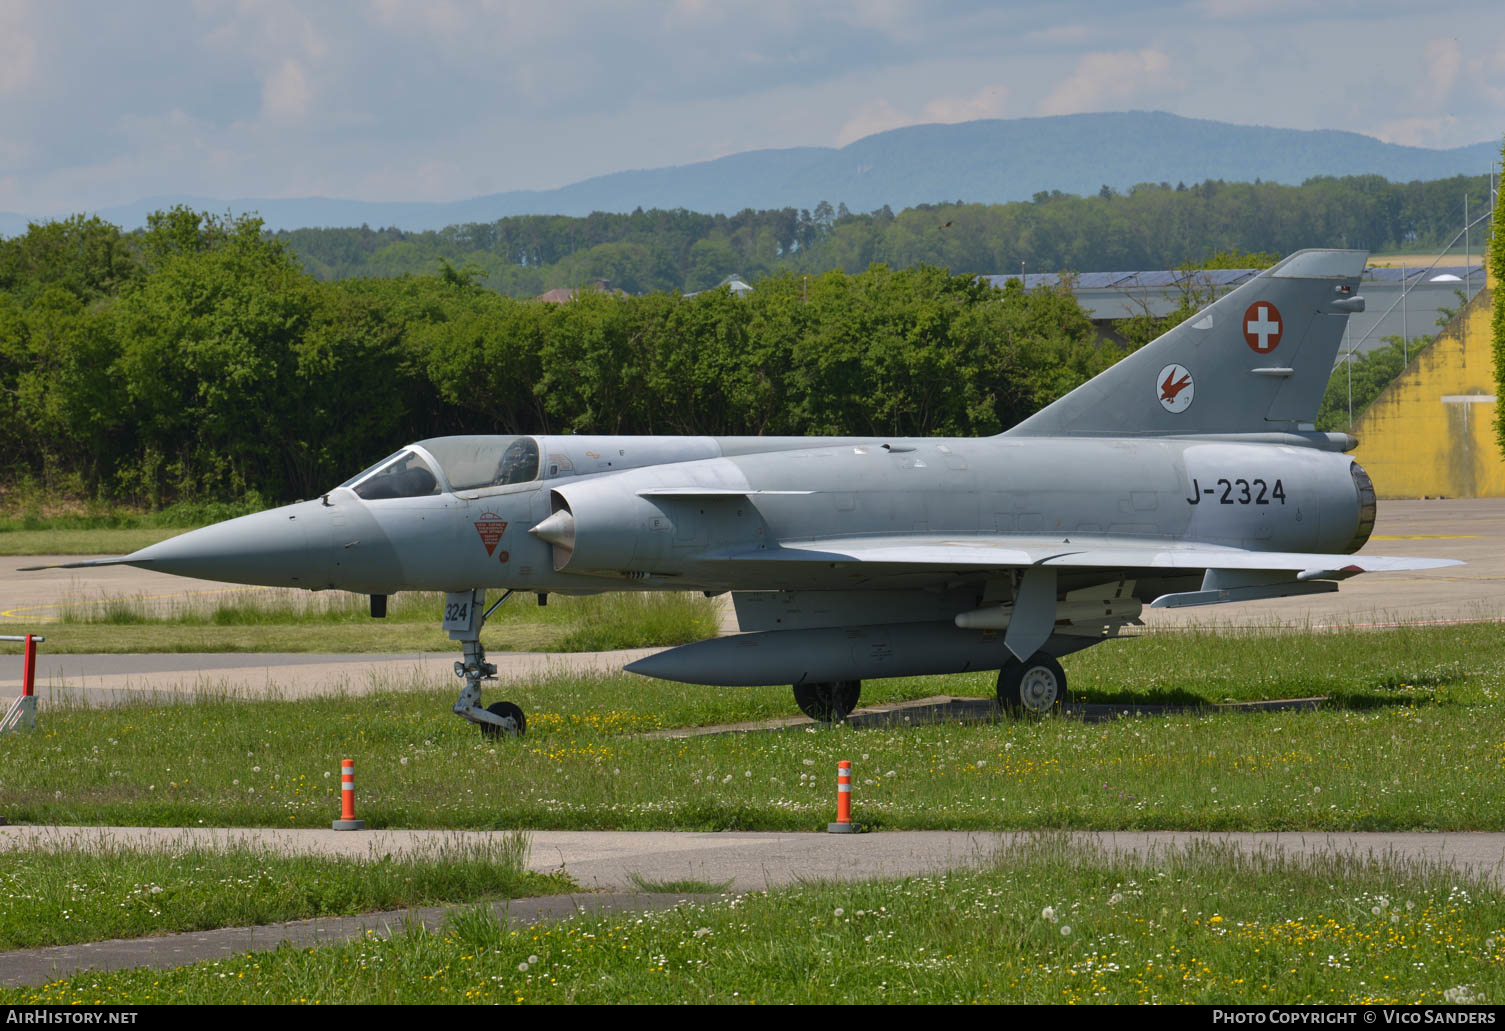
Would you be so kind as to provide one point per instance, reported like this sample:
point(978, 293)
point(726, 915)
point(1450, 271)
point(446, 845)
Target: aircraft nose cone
point(272, 548)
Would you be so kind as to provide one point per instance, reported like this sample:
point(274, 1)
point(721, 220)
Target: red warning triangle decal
point(491, 529)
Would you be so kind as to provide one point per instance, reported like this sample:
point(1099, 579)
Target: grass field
point(1044, 924)
point(1413, 738)
point(89, 529)
point(79, 891)
point(267, 619)
point(81, 542)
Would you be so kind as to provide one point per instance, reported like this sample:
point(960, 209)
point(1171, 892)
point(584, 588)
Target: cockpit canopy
point(403, 475)
point(463, 464)
point(475, 463)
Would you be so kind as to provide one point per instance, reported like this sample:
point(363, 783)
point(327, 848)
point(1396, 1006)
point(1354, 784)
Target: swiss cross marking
point(491, 529)
point(1262, 327)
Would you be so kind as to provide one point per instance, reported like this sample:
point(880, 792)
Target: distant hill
point(992, 161)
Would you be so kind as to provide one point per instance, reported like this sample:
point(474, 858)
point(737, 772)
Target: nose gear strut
point(463, 619)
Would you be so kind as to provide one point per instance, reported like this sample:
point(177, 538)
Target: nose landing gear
point(463, 619)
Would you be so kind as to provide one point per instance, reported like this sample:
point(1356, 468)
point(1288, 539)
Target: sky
point(103, 103)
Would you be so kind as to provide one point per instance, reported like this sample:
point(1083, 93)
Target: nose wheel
point(513, 724)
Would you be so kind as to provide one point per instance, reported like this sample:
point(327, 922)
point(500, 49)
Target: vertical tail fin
point(1255, 361)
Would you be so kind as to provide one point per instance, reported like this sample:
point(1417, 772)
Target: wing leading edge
point(917, 552)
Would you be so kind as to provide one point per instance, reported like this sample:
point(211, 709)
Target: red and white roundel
point(1262, 326)
point(1174, 388)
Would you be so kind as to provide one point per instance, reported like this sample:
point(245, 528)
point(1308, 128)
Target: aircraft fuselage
point(676, 525)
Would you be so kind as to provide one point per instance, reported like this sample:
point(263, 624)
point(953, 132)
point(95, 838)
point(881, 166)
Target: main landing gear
point(463, 619)
point(828, 701)
point(1035, 687)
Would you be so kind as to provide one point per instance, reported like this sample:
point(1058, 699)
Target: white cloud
point(881, 116)
point(874, 116)
point(988, 102)
point(1057, 35)
point(285, 95)
point(1444, 59)
point(407, 98)
point(12, 196)
point(18, 47)
point(1110, 81)
point(1237, 10)
point(1418, 132)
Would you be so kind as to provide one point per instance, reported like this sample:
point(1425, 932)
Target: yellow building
point(1431, 433)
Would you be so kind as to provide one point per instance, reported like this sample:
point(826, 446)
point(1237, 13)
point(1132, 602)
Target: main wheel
point(1033, 688)
point(828, 701)
point(504, 709)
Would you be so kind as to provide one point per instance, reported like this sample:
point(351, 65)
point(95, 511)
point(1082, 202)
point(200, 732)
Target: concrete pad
point(763, 860)
point(1471, 529)
point(27, 599)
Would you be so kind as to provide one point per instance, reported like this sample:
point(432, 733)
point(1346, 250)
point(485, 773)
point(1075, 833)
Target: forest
point(1153, 226)
point(196, 360)
point(202, 358)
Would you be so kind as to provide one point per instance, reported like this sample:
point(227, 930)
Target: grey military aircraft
point(1189, 473)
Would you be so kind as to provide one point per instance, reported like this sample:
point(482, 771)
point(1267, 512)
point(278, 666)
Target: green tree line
point(196, 359)
point(1154, 225)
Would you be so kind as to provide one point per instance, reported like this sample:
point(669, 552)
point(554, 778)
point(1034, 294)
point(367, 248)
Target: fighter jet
point(1189, 473)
